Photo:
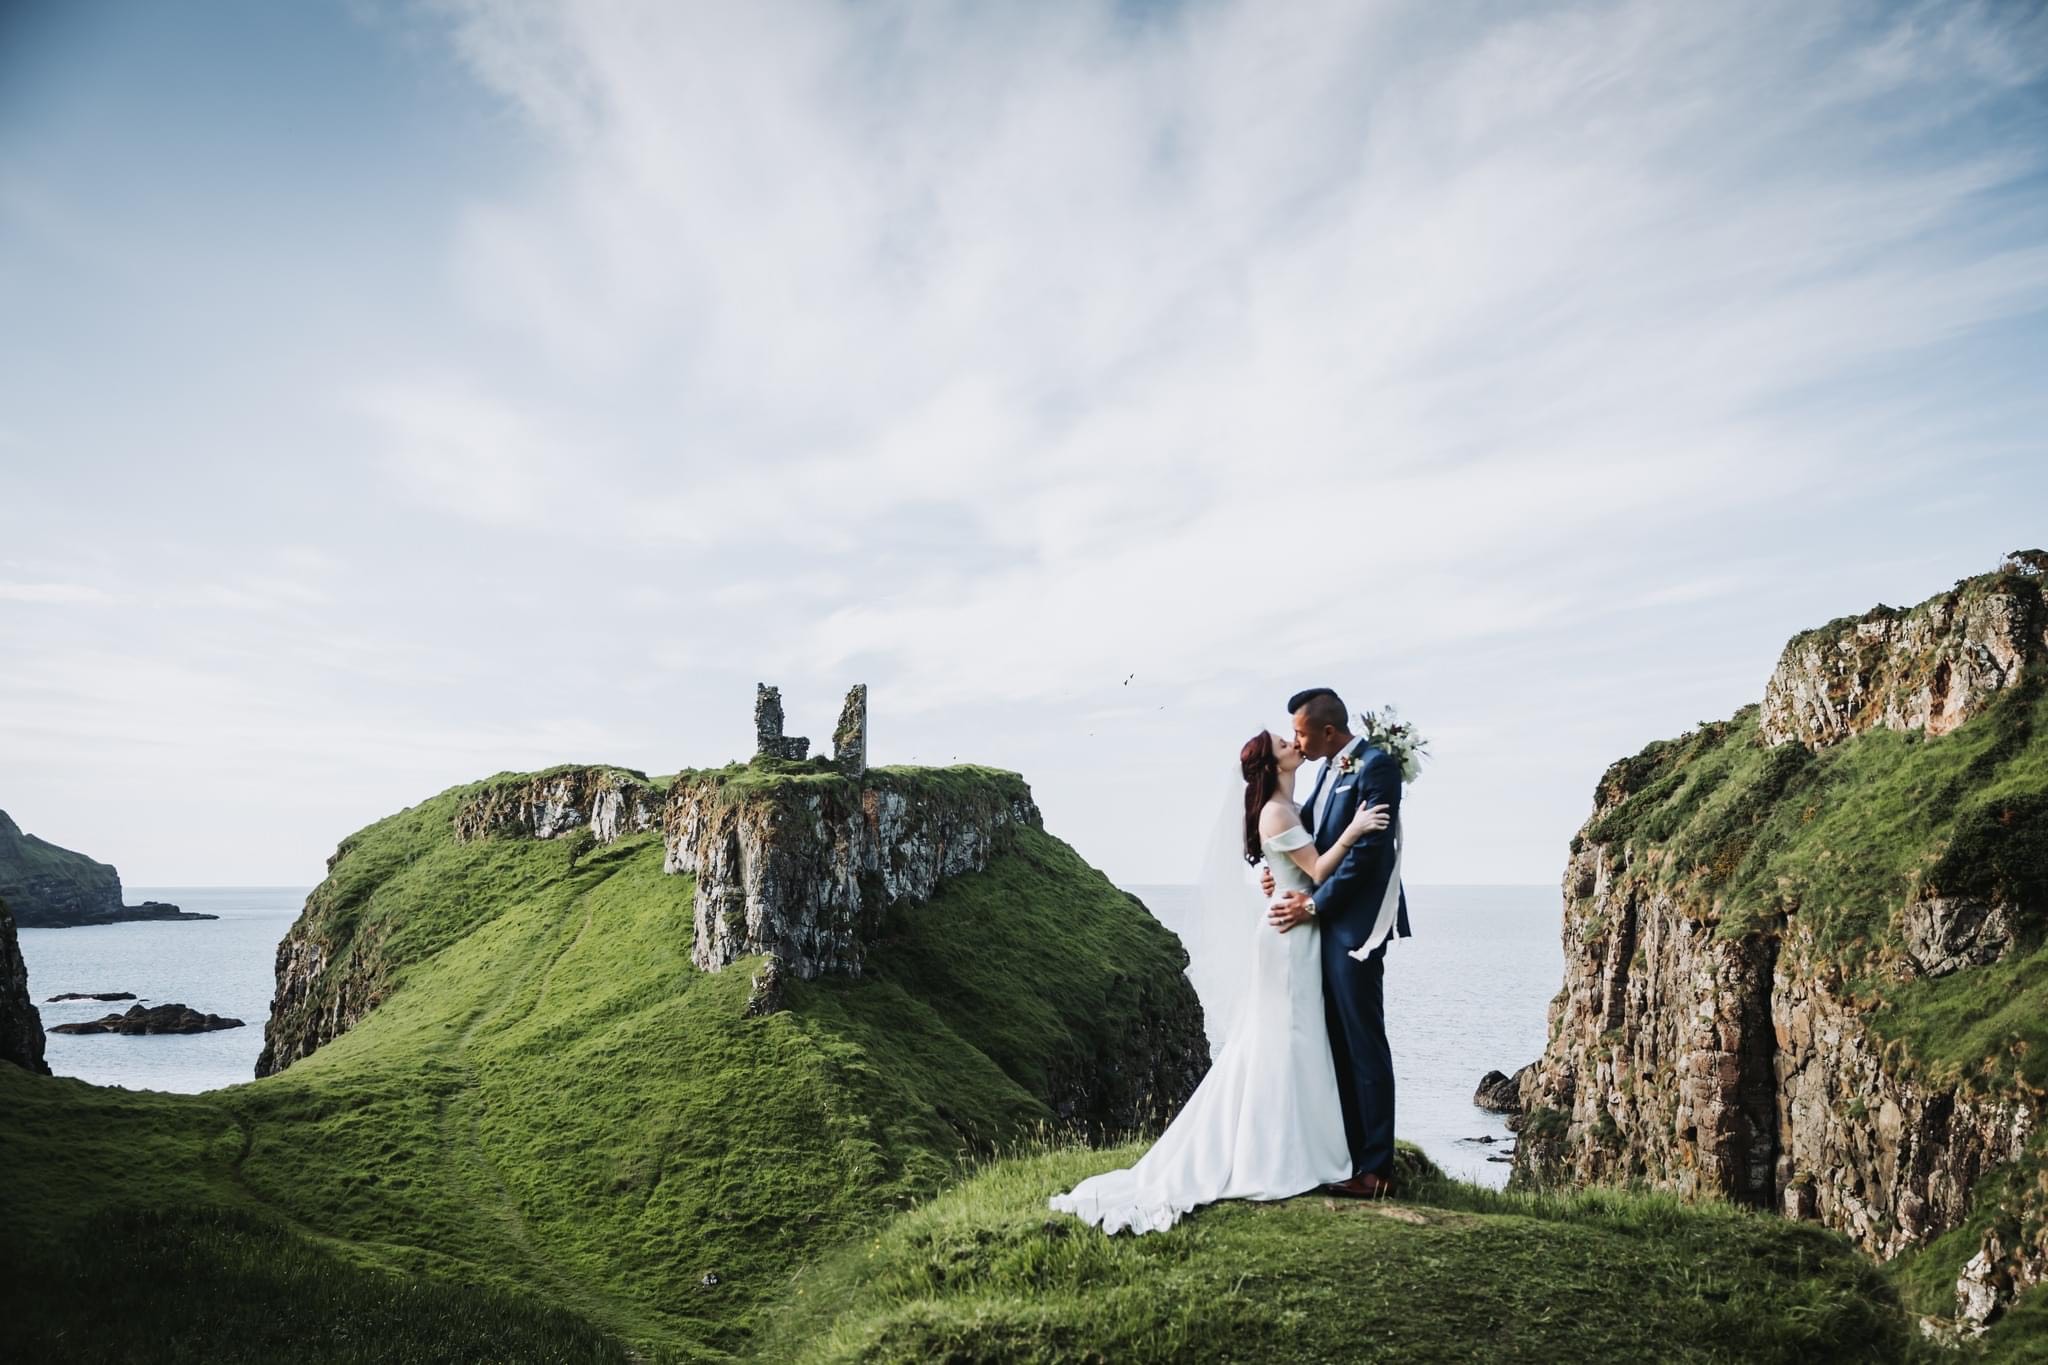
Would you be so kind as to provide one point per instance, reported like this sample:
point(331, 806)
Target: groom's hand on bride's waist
point(1290, 910)
point(1266, 882)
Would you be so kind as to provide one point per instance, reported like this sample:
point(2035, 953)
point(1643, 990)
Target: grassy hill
point(1450, 1273)
point(554, 1103)
point(557, 1140)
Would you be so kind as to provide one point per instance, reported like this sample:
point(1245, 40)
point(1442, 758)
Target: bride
point(1265, 1123)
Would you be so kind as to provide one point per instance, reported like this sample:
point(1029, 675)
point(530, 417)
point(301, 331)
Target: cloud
point(1536, 367)
point(466, 453)
point(57, 594)
point(1133, 302)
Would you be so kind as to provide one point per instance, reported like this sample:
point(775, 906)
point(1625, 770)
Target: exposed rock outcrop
point(609, 802)
point(21, 1027)
point(1928, 668)
point(91, 995)
point(1717, 1030)
point(803, 866)
point(53, 888)
point(141, 1019)
point(314, 1005)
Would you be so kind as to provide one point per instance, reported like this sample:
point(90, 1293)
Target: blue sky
point(391, 394)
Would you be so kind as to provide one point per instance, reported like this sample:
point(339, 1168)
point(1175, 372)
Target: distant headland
point(49, 887)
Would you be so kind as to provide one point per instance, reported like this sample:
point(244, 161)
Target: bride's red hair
point(1261, 769)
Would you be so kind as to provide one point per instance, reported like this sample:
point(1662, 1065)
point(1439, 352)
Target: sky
point(392, 395)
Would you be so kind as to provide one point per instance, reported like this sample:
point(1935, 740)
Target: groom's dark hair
point(1325, 707)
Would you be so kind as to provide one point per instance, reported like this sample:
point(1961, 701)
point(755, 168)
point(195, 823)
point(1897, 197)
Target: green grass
point(242, 1288)
point(1450, 1273)
point(554, 1102)
point(557, 1139)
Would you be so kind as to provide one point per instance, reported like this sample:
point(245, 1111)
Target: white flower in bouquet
point(1384, 729)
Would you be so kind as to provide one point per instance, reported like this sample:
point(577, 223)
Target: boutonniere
point(1347, 764)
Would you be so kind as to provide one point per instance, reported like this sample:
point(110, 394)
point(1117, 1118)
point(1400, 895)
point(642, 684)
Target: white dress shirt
point(1330, 780)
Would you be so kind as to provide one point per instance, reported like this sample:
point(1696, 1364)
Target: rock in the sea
point(139, 1019)
point(91, 995)
point(1500, 1092)
point(53, 888)
point(21, 1027)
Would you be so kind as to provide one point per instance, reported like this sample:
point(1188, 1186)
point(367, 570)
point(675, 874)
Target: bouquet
point(1384, 729)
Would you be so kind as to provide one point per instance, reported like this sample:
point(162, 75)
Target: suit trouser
point(1354, 1006)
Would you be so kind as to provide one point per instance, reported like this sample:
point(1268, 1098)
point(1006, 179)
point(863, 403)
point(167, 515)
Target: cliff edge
point(21, 1025)
point(1804, 961)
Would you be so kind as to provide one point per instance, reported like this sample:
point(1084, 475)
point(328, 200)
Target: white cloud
point(57, 594)
point(1540, 368)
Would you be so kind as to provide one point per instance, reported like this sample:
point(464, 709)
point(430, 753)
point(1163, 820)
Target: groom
point(1346, 906)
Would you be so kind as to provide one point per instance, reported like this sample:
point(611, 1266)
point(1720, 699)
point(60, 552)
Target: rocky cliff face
point(610, 802)
point(1772, 924)
point(328, 976)
point(1928, 668)
point(21, 1026)
point(802, 867)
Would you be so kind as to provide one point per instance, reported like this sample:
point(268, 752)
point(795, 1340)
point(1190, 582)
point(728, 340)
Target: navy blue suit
point(1347, 903)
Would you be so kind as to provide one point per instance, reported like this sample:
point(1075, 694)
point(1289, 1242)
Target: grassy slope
point(556, 1112)
point(985, 1273)
point(554, 1099)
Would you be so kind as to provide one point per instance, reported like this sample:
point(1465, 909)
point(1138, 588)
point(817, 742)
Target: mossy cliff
point(794, 869)
point(1804, 950)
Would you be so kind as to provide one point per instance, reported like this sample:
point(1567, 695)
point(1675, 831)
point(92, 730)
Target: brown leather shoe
point(1366, 1186)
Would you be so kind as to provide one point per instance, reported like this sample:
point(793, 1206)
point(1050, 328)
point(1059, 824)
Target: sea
point(1468, 994)
point(225, 966)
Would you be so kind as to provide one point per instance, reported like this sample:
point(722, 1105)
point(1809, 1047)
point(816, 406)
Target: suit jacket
point(1349, 900)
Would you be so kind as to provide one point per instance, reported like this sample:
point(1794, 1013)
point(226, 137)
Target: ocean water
point(1466, 995)
point(222, 966)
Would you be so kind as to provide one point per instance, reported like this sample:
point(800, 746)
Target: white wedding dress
point(1265, 1123)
